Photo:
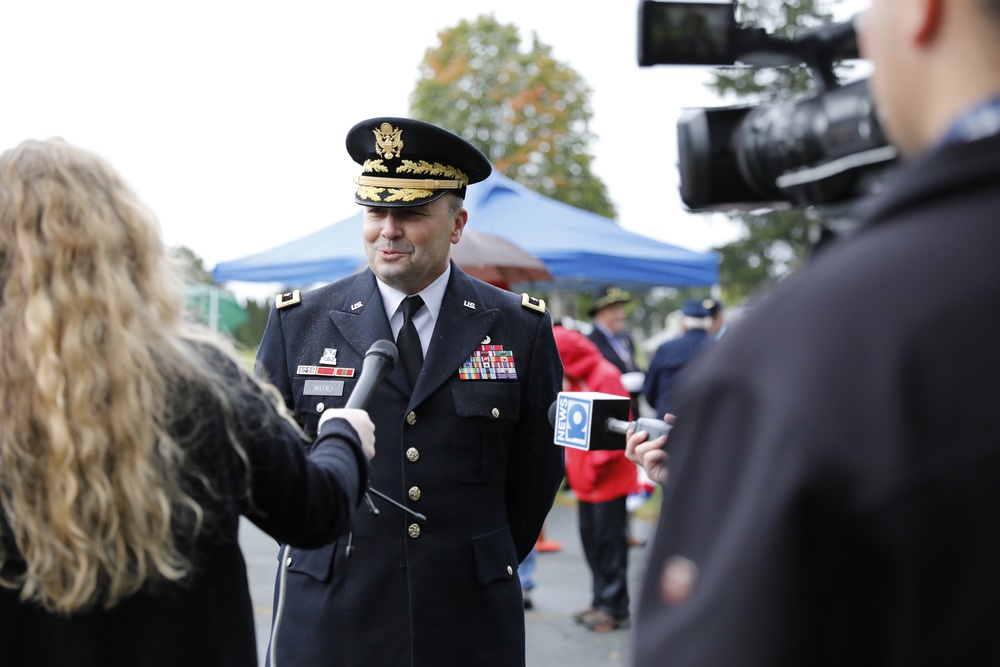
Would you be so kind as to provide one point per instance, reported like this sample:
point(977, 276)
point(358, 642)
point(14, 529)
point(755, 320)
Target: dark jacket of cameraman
point(834, 491)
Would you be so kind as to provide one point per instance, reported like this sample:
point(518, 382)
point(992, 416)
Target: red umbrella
point(497, 260)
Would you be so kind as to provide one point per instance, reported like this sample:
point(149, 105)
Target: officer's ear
point(926, 15)
point(459, 217)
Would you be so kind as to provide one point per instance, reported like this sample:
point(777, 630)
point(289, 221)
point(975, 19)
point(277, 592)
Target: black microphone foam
point(654, 427)
point(379, 360)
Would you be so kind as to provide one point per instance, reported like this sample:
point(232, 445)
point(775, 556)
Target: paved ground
point(563, 587)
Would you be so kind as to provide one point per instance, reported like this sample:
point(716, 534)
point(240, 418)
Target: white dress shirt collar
point(426, 317)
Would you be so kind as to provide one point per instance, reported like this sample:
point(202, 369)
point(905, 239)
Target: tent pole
point(213, 308)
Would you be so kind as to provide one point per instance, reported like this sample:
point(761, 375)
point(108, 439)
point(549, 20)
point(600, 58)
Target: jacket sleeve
point(309, 499)
point(299, 493)
point(535, 466)
point(272, 364)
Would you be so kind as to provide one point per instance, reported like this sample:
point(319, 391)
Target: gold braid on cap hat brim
point(421, 183)
point(395, 194)
point(455, 179)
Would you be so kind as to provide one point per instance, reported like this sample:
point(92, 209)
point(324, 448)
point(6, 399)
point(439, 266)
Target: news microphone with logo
point(378, 362)
point(591, 420)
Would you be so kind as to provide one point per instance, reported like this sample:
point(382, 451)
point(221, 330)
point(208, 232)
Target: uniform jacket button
point(411, 418)
point(320, 407)
point(414, 530)
point(414, 493)
point(412, 454)
point(510, 570)
point(495, 413)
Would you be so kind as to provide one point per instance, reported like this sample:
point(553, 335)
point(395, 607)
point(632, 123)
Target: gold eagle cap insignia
point(388, 141)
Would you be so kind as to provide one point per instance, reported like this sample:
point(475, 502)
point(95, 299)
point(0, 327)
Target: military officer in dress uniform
point(461, 422)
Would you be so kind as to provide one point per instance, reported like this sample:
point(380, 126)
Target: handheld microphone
point(594, 421)
point(379, 361)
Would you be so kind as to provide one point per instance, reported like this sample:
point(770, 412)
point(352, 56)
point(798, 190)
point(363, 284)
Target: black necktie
point(408, 342)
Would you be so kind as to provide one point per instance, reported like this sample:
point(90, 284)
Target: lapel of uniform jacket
point(462, 325)
point(361, 320)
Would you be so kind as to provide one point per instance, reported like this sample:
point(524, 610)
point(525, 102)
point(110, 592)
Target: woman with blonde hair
point(130, 444)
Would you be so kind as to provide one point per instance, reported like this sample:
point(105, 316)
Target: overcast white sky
point(229, 117)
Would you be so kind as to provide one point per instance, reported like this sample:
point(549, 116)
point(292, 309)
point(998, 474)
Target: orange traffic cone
point(543, 545)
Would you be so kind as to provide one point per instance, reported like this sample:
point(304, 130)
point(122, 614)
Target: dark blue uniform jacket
point(473, 455)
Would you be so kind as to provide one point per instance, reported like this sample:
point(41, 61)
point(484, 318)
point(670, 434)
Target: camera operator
point(834, 485)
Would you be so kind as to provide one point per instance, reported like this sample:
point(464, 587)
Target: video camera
point(824, 148)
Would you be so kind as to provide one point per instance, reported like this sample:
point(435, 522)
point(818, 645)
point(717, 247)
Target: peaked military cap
point(608, 296)
point(408, 162)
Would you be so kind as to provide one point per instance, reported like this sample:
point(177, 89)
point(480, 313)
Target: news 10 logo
point(572, 422)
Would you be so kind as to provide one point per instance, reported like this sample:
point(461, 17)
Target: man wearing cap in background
point(612, 339)
point(461, 423)
point(702, 319)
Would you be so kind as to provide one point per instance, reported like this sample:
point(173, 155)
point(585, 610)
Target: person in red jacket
point(601, 481)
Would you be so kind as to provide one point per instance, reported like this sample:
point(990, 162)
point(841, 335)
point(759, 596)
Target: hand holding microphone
point(378, 362)
point(361, 423)
point(647, 450)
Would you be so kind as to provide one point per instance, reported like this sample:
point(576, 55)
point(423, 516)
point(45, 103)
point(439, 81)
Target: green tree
point(191, 266)
point(527, 112)
point(251, 332)
point(775, 242)
point(193, 272)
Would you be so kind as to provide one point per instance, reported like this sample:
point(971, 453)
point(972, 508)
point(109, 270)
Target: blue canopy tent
point(579, 248)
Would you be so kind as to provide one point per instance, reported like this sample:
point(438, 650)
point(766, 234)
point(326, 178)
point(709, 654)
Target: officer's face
point(409, 247)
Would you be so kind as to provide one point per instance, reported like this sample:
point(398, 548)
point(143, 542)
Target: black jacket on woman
point(301, 499)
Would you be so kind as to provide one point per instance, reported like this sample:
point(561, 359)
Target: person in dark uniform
point(462, 424)
point(699, 323)
point(834, 488)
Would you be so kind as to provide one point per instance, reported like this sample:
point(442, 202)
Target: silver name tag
point(324, 388)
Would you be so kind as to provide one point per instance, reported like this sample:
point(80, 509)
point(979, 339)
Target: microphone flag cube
point(581, 419)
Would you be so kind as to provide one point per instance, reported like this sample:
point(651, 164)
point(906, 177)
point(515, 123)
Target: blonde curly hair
point(91, 328)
